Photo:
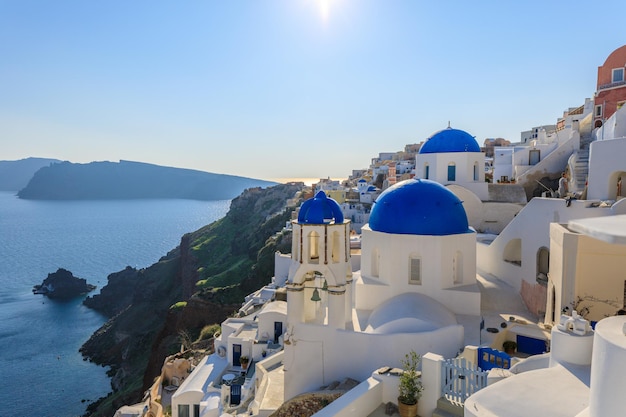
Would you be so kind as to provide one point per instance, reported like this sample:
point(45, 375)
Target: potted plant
point(509, 347)
point(410, 388)
point(244, 360)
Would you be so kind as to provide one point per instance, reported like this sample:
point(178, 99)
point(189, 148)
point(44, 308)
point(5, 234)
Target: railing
point(611, 85)
point(460, 379)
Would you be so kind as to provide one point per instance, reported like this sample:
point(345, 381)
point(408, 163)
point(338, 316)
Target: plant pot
point(244, 365)
point(407, 410)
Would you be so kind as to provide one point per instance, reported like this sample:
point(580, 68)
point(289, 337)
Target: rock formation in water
point(62, 284)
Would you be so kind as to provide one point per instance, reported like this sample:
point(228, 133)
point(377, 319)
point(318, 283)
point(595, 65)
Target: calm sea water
point(42, 372)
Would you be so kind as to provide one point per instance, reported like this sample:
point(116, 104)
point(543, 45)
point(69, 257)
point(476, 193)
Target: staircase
point(579, 169)
point(446, 408)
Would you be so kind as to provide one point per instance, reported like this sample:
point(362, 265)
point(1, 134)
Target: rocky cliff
point(131, 180)
point(201, 282)
point(14, 175)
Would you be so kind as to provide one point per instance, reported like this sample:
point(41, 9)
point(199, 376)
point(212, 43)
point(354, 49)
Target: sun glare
point(324, 9)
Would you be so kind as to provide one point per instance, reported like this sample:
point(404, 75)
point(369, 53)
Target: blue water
point(43, 374)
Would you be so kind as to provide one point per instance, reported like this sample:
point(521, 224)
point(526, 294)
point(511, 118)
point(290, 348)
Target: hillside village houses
point(450, 267)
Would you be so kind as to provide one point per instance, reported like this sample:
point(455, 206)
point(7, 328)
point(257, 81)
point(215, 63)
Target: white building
point(520, 254)
point(417, 273)
point(583, 374)
point(452, 156)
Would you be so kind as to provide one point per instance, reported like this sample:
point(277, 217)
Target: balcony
point(611, 85)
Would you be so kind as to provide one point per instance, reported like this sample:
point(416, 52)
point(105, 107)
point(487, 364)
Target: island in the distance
point(62, 284)
point(132, 180)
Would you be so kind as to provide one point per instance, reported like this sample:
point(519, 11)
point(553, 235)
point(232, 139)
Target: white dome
point(409, 313)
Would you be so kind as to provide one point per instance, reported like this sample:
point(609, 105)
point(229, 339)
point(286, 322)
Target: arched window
point(475, 171)
point(426, 171)
point(451, 171)
point(314, 254)
point(543, 265)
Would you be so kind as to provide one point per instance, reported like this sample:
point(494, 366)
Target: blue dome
point(450, 140)
point(320, 210)
point(418, 207)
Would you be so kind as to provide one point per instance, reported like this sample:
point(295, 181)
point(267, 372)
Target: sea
point(43, 374)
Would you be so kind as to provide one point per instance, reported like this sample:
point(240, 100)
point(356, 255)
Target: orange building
point(611, 88)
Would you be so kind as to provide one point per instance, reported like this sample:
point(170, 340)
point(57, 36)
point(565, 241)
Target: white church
point(417, 273)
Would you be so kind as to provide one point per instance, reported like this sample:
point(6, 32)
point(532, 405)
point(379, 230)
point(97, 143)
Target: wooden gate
point(460, 379)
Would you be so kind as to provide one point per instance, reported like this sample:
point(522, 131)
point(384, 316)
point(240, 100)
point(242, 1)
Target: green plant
point(178, 305)
point(209, 331)
point(244, 359)
point(410, 381)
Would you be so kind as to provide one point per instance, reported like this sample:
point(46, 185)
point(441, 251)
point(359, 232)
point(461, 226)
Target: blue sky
point(289, 88)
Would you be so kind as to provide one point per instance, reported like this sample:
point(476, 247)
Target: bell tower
point(319, 286)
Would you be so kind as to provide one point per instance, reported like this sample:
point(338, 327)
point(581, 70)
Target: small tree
point(410, 381)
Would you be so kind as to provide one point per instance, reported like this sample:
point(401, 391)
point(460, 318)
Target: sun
point(324, 9)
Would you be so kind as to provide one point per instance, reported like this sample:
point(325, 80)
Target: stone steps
point(445, 408)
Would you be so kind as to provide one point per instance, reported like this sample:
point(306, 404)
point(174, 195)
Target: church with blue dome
point(453, 157)
point(415, 275)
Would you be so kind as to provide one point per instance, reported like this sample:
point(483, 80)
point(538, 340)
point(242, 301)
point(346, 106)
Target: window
point(415, 271)
point(426, 171)
point(451, 172)
point(618, 75)
point(475, 171)
point(543, 265)
point(183, 410)
point(534, 156)
point(196, 410)
point(599, 110)
point(314, 254)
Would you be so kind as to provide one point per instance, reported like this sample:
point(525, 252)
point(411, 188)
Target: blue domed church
point(452, 156)
point(417, 273)
point(418, 241)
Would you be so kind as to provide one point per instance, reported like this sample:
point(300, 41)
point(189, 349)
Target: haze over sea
point(43, 372)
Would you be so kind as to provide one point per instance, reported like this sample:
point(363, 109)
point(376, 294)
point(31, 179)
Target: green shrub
point(180, 304)
point(209, 331)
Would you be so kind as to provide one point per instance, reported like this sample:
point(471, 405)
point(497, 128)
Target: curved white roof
point(274, 307)
point(409, 313)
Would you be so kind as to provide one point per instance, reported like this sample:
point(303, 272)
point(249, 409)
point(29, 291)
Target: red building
point(611, 88)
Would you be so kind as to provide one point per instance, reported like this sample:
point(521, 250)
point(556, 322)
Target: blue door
point(530, 345)
point(278, 330)
point(236, 355)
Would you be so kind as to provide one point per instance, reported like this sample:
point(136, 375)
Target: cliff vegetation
point(198, 284)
